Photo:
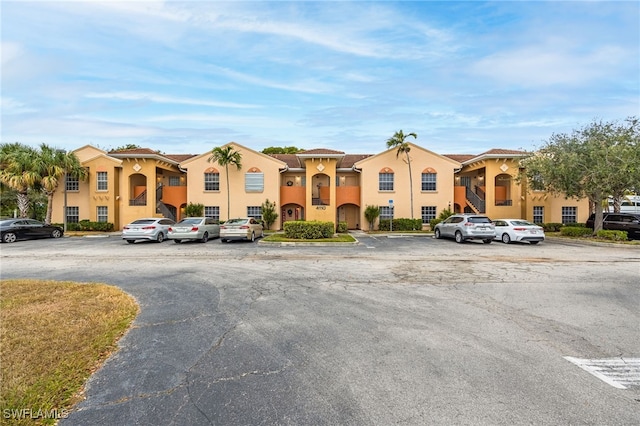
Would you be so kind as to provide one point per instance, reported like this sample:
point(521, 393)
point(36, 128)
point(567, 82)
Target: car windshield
point(190, 221)
point(235, 221)
point(142, 221)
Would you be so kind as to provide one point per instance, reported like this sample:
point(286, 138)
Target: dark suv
point(629, 222)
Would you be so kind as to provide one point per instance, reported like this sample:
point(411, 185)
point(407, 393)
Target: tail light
point(170, 229)
point(148, 227)
point(223, 227)
point(244, 227)
point(519, 229)
point(195, 228)
point(126, 227)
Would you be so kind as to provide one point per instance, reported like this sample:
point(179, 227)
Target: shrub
point(342, 227)
point(612, 235)
point(401, 224)
point(552, 227)
point(312, 230)
point(575, 231)
point(194, 210)
point(86, 225)
point(269, 215)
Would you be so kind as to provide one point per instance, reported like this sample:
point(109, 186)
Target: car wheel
point(253, 236)
point(177, 241)
point(487, 241)
point(262, 233)
point(437, 233)
point(131, 241)
point(459, 238)
point(222, 240)
point(56, 233)
point(9, 237)
point(506, 238)
point(534, 242)
point(160, 237)
point(205, 238)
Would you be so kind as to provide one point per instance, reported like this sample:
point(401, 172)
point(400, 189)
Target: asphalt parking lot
point(392, 330)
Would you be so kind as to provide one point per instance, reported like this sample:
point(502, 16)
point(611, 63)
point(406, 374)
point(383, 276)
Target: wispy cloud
point(163, 99)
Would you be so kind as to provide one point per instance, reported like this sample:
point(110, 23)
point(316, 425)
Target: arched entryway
point(503, 190)
point(349, 213)
point(291, 212)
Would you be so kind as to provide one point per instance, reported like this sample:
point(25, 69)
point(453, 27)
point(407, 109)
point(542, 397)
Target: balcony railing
point(504, 202)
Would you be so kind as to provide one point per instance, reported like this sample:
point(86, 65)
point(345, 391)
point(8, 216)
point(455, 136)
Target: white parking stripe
point(618, 372)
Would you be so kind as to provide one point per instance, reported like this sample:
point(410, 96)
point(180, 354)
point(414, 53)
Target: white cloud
point(164, 99)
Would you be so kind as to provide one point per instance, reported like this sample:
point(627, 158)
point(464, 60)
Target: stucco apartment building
point(318, 184)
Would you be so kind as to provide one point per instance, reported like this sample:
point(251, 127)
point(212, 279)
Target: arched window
point(385, 179)
point(211, 179)
point(429, 179)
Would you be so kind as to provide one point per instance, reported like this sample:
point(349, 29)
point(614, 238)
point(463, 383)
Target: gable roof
point(451, 160)
point(496, 153)
point(191, 158)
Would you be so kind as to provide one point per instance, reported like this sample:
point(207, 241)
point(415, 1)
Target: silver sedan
point(151, 228)
point(246, 228)
point(194, 228)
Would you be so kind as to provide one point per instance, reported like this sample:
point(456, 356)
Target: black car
point(12, 230)
point(629, 222)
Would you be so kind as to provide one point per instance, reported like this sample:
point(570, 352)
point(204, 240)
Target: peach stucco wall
point(421, 159)
point(239, 198)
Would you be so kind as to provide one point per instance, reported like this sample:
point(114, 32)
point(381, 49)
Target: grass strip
point(53, 335)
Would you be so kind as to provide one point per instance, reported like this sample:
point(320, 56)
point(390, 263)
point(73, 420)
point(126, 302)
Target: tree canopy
point(281, 150)
point(599, 160)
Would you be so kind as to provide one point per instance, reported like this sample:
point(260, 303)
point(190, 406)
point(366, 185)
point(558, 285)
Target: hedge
point(612, 235)
point(401, 224)
point(312, 230)
point(86, 225)
point(343, 227)
point(575, 231)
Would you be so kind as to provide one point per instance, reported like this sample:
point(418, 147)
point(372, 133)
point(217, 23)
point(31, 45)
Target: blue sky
point(184, 77)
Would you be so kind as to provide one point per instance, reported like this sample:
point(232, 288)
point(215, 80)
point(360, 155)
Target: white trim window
point(429, 181)
point(73, 184)
point(569, 214)
point(254, 212)
point(385, 182)
point(538, 214)
point(386, 212)
point(254, 182)
point(102, 181)
point(428, 213)
point(212, 181)
point(102, 213)
point(212, 211)
point(73, 214)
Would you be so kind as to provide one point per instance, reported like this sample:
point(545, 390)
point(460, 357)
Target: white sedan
point(508, 230)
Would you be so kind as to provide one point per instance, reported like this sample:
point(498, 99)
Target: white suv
point(464, 227)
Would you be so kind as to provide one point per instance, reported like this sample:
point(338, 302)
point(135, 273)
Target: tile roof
point(320, 151)
point(291, 160)
point(460, 158)
point(180, 157)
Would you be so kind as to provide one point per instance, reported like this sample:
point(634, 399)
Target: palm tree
point(54, 165)
point(398, 140)
point(224, 156)
point(18, 171)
